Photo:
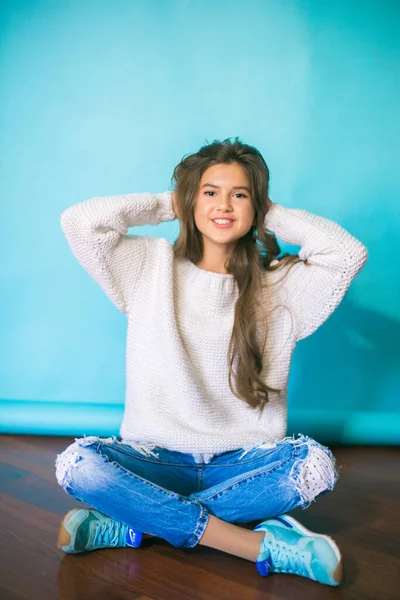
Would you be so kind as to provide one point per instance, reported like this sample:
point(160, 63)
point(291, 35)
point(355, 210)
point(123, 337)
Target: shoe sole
point(338, 572)
point(64, 536)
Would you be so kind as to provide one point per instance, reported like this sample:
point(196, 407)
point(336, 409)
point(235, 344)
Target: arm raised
point(331, 257)
point(96, 231)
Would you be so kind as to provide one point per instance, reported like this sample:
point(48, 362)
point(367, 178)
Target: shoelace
point(287, 559)
point(110, 534)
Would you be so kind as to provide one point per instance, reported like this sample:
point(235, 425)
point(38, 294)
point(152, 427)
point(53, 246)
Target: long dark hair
point(251, 257)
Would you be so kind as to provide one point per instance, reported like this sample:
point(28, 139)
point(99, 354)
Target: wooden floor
point(361, 514)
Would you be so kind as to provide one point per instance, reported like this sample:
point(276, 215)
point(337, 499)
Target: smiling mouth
point(228, 225)
point(230, 220)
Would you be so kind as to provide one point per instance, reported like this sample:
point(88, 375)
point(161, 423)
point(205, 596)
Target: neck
point(214, 258)
point(212, 267)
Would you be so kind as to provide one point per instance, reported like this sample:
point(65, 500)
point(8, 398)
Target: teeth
point(222, 221)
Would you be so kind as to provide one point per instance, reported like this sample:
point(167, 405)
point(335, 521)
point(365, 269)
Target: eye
point(237, 194)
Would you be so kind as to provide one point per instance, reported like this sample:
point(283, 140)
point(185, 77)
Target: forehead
point(225, 174)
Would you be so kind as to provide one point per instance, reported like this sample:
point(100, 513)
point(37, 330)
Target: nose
point(225, 201)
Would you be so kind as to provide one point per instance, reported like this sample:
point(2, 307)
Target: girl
point(213, 320)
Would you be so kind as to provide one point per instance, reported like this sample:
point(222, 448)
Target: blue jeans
point(167, 494)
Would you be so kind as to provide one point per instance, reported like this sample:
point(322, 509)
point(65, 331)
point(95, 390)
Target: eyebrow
point(236, 187)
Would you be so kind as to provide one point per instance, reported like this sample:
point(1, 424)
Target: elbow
point(65, 219)
point(70, 222)
point(363, 254)
point(359, 257)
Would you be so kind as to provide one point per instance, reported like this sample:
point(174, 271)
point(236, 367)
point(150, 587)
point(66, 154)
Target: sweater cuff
point(165, 208)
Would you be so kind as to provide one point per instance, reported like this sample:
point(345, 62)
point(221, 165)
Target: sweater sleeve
point(331, 257)
point(96, 231)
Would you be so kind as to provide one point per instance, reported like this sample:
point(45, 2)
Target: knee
point(68, 462)
point(319, 470)
point(315, 474)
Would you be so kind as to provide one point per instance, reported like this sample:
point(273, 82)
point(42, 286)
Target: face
point(224, 193)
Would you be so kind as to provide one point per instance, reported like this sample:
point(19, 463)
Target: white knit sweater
point(180, 319)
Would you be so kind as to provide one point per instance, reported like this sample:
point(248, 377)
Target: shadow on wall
point(354, 375)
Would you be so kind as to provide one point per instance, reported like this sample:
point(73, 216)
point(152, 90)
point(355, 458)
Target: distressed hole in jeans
point(313, 475)
point(68, 459)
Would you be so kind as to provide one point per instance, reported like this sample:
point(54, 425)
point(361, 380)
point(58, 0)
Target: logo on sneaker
point(131, 537)
point(264, 566)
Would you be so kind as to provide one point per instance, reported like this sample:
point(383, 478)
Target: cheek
point(201, 214)
point(200, 218)
point(249, 215)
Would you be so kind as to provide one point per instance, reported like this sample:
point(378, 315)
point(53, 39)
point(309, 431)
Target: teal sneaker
point(83, 530)
point(288, 547)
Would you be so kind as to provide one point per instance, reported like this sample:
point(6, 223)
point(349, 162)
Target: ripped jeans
point(169, 495)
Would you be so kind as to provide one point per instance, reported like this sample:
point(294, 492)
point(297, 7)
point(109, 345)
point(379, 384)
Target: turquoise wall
point(104, 98)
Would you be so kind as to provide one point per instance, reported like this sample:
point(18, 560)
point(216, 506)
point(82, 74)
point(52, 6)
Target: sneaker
point(83, 530)
point(288, 547)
